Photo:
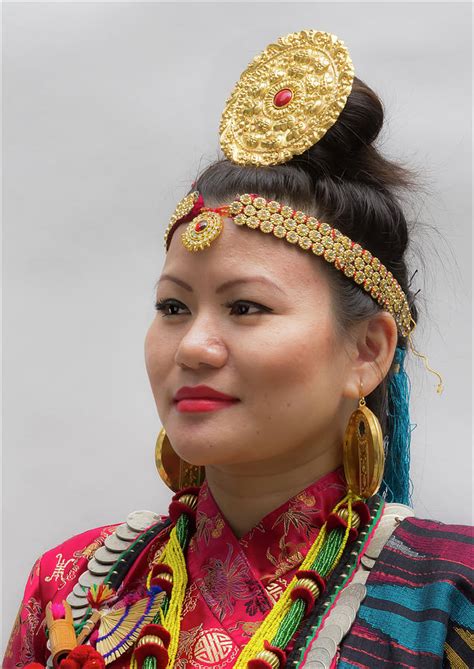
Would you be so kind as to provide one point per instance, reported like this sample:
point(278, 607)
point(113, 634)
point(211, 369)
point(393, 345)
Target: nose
point(201, 345)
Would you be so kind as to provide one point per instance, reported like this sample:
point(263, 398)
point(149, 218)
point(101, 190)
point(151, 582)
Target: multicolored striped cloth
point(419, 609)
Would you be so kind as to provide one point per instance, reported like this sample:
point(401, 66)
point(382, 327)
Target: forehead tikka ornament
point(202, 230)
point(286, 99)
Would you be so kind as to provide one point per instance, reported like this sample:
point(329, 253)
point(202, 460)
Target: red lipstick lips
point(201, 398)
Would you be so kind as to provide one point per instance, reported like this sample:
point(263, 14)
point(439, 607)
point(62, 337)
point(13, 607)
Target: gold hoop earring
point(175, 472)
point(363, 455)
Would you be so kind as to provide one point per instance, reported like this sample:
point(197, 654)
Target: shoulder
point(431, 566)
point(66, 570)
point(85, 542)
point(437, 542)
point(93, 551)
point(417, 607)
point(60, 564)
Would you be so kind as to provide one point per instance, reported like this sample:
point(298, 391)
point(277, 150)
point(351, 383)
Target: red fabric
point(83, 657)
point(232, 585)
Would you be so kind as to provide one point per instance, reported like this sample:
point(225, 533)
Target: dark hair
point(345, 181)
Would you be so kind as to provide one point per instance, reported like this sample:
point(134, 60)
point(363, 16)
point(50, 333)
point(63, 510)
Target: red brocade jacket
point(233, 584)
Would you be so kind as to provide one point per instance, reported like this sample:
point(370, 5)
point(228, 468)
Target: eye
point(238, 305)
point(163, 305)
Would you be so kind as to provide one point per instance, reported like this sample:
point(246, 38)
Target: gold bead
point(290, 224)
point(277, 219)
point(189, 500)
point(329, 255)
point(266, 226)
point(165, 576)
point(246, 199)
point(252, 222)
point(259, 202)
point(310, 585)
point(318, 249)
point(344, 514)
point(305, 243)
point(269, 657)
point(315, 235)
point(236, 208)
point(150, 638)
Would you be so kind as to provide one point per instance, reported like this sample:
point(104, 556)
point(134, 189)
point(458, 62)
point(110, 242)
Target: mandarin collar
point(279, 542)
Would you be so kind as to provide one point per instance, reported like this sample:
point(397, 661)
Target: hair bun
point(347, 149)
point(361, 120)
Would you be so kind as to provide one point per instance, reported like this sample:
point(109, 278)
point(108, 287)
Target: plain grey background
point(109, 111)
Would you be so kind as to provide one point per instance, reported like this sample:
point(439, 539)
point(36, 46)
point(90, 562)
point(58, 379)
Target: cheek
point(157, 356)
point(301, 366)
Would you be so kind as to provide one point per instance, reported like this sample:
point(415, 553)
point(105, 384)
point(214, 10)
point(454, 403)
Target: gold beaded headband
point(297, 228)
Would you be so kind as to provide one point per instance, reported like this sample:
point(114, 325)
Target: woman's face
point(267, 339)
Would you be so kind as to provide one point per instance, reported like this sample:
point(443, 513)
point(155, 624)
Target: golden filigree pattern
point(299, 517)
point(286, 99)
point(288, 558)
point(183, 207)
point(202, 231)
point(91, 548)
point(246, 627)
point(190, 599)
point(57, 574)
point(32, 619)
point(276, 588)
point(208, 528)
point(202, 649)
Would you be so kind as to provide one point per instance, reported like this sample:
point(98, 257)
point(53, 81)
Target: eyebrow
point(223, 286)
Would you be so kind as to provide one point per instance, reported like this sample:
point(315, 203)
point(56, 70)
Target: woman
point(279, 379)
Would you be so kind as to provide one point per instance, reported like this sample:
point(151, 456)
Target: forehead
point(240, 249)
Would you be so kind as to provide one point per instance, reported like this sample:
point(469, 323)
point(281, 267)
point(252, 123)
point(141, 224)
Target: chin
point(204, 453)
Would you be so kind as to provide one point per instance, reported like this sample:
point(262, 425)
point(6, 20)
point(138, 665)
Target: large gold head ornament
point(286, 99)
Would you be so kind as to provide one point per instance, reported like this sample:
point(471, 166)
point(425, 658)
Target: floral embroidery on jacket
point(33, 610)
point(226, 581)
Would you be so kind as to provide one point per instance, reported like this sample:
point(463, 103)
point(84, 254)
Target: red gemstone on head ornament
point(283, 97)
point(199, 227)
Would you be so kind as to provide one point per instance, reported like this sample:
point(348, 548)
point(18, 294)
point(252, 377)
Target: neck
point(247, 493)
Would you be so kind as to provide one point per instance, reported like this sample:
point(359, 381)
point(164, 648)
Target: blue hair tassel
point(396, 481)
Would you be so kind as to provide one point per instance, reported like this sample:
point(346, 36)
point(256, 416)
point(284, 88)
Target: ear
point(371, 354)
